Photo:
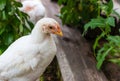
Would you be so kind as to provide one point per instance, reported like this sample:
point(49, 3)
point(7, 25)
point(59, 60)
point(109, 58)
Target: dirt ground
point(52, 73)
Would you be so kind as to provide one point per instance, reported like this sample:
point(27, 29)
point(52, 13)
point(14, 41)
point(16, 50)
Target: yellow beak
point(59, 33)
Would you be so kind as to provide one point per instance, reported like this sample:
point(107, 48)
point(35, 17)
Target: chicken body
point(27, 58)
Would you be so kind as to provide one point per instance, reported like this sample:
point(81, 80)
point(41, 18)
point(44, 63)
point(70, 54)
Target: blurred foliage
point(13, 23)
point(79, 11)
point(92, 14)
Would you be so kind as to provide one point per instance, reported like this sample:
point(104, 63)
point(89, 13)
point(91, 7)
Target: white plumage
point(116, 6)
point(27, 58)
point(34, 8)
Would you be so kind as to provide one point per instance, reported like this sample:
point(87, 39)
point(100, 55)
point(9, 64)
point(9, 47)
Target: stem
point(96, 42)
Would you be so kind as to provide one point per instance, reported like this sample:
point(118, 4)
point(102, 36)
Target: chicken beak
point(58, 30)
point(59, 33)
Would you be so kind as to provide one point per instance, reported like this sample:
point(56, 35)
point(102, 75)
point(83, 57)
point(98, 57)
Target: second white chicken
point(34, 8)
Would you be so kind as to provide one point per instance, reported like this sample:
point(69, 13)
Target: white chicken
point(34, 8)
point(116, 6)
point(27, 58)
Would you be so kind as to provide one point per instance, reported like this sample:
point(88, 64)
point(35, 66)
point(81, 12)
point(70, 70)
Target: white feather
point(116, 6)
point(37, 10)
point(27, 58)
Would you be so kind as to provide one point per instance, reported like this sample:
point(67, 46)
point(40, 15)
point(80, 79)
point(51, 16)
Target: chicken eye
point(51, 27)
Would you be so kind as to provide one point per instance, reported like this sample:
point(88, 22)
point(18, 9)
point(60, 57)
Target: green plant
point(12, 23)
point(79, 11)
point(104, 24)
point(94, 14)
point(110, 49)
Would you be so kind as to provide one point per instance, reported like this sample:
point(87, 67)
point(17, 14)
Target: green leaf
point(60, 2)
point(94, 23)
point(18, 4)
point(2, 30)
point(107, 8)
point(2, 49)
point(12, 12)
point(101, 56)
point(4, 15)
point(21, 28)
point(116, 60)
point(110, 7)
point(115, 40)
point(110, 21)
point(96, 43)
point(8, 39)
point(2, 4)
